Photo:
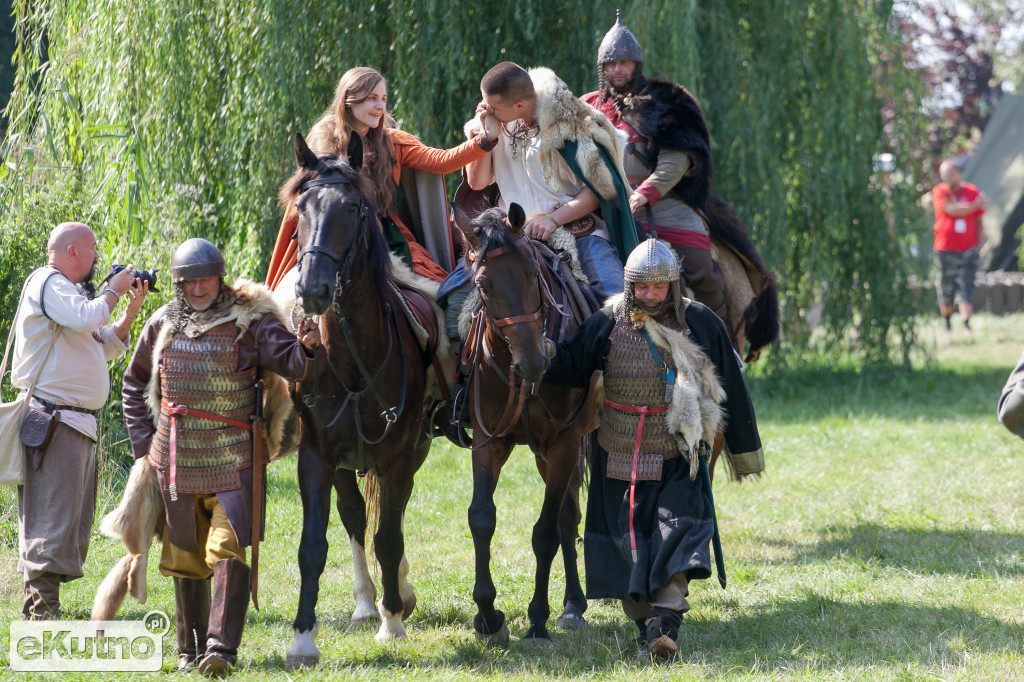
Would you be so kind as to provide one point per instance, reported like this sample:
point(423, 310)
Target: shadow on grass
point(827, 634)
point(812, 631)
point(965, 553)
point(800, 395)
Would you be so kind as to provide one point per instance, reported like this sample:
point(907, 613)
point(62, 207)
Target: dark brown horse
point(364, 410)
point(508, 353)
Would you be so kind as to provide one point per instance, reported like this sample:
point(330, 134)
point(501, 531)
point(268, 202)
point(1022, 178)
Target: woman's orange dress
point(409, 153)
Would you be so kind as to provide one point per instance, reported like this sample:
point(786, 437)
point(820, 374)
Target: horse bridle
point(477, 341)
point(389, 414)
point(344, 262)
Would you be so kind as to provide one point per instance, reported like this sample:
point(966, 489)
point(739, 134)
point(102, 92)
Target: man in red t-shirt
point(958, 210)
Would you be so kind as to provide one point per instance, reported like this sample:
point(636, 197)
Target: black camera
point(144, 275)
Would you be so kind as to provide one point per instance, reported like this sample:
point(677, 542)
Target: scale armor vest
point(631, 378)
point(200, 373)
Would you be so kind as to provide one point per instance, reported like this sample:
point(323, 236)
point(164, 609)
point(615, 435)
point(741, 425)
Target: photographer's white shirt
point(76, 371)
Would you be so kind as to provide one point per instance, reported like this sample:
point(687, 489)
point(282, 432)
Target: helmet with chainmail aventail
point(619, 45)
point(651, 262)
point(194, 259)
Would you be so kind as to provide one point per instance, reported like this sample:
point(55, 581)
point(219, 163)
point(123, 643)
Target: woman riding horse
point(360, 106)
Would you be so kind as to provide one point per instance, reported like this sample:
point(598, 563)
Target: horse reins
point(477, 345)
point(389, 414)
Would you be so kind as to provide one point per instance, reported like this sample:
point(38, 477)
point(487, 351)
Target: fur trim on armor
point(562, 118)
point(695, 412)
point(137, 521)
point(670, 118)
point(252, 301)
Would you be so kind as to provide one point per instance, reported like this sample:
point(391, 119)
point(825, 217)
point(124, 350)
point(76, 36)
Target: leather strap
point(643, 410)
point(174, 410)
point(50, 405)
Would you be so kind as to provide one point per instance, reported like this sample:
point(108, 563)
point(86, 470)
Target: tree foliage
point(174, 118)
point(966, 54)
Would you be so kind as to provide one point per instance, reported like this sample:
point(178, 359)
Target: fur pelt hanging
point(670, 118)
point(139, 518)
point(695, 406)
point(137, 521)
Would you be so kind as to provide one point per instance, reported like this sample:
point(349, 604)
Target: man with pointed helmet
point(667, 159)
point(671, 383)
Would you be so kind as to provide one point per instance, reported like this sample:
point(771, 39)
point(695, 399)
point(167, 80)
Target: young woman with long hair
point(360, 107)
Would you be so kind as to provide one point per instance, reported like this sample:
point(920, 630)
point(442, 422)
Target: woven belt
point(174, 410)
point(50, 405)
point(643, 411)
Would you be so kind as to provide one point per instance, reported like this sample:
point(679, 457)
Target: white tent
point(997, 168)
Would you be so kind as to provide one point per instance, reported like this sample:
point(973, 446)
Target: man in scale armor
point(671, 382)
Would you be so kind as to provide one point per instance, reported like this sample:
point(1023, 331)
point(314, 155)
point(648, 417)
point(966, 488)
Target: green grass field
point(884, 542)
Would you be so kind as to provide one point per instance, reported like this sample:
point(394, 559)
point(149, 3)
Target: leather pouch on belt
point(38, 427)
point(620, 467)
point(581, 227)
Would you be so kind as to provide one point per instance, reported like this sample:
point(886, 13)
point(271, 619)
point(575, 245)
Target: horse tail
point(581, 476)
point(725, 226)
point(762, 318)
point(371, 500)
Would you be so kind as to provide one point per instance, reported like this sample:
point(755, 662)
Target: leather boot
point(662, 630)
point(191, 615)
point(42, 598)
point(227, 617)
point(641, 640)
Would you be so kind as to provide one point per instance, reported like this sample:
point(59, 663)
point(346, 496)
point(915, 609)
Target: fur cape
point(562, 117)
point(139, 517)
point(695, 410)
point(669, 117)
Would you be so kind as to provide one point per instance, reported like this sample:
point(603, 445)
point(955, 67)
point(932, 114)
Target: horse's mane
point(492, 232)
point(378, 253)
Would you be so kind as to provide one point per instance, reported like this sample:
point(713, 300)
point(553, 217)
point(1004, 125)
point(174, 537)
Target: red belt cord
point(173, 410)
point(643, 411)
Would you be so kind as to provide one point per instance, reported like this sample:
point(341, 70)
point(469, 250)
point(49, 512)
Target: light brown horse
point(751, 297)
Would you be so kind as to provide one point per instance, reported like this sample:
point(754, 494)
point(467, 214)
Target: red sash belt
point(173, 410)
point(643, 411)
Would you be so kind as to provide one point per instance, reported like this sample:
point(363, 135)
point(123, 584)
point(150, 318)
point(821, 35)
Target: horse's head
point(335, 222)
point(506, 271)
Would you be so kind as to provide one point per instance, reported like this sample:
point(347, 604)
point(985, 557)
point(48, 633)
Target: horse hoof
point(409, 605)
point(294, 662)
point(499, 638)
point(363, 621)
point(540, 642)
point(570, 622)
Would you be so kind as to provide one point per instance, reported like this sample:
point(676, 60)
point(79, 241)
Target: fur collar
point(695, 412)
point(562, 118)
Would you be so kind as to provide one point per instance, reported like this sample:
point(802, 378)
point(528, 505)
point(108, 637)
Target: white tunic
point(521, 179)
point(76, 371)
